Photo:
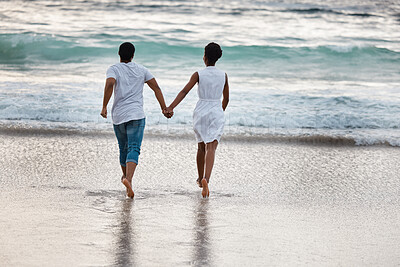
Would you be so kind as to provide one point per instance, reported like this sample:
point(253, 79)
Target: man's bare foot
point(122, 178)
point(128, 187)
point(199, 182)
point(205, 192)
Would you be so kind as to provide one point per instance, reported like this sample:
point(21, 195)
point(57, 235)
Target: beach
point(307, 172)
point(271, 203)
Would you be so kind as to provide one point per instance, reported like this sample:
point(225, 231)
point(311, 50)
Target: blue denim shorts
point(129, 135)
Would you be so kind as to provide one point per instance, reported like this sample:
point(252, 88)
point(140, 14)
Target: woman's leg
point(210, 156)
point(201, 153)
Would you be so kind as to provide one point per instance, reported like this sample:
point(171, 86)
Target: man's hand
point(104, 112)
point(168, 112)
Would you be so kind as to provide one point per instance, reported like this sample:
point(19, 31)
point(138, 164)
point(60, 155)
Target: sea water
point(296, 69)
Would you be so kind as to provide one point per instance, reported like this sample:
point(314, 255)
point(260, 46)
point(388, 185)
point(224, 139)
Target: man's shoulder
point(123, 67)
point(116, 65)
point(139, 66)
point(113, 67)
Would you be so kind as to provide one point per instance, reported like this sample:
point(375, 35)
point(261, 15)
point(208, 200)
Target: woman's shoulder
point(216, 70)
point(202, 70)
point(221, 71)
point(211, 69)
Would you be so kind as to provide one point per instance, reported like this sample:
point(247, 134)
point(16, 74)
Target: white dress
point(208, 116)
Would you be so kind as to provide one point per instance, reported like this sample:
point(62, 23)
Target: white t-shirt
point(128, 91)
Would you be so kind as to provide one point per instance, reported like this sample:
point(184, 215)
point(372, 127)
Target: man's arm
point(152, 83)
point(193, 80)
point(108, 90)
point(225, 93)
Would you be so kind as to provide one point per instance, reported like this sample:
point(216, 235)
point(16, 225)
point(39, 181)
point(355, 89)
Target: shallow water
point(270, 204)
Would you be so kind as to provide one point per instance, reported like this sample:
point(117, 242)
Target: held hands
point(168, 112)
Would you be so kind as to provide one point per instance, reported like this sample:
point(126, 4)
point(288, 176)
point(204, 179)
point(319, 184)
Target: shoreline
point(152, 132)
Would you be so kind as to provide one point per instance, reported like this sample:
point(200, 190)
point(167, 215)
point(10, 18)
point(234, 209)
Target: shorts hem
point(132, 160)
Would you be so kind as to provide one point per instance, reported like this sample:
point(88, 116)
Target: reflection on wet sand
point(202, 254)
point(125, 250)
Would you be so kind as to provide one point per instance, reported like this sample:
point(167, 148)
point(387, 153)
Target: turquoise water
point(296, 68)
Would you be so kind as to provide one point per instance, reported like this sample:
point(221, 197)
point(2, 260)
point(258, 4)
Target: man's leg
point(120, 133)
point(201, 153)
point(210, 156)
point(123, 168)
point(135, 130)
point(130, 170)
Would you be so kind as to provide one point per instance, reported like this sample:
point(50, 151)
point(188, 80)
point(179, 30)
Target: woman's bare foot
point(128, 187)
point(205, 192)
point(199, 182)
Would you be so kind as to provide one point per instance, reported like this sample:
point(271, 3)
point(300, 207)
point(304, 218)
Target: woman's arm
point(193, 80)
point(225, 93)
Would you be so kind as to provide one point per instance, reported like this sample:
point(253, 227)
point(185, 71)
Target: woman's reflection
point(202, 246)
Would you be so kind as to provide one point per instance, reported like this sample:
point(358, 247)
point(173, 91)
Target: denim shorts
point(129, 135)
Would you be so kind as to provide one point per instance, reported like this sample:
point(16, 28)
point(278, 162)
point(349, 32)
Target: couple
point(127, 79)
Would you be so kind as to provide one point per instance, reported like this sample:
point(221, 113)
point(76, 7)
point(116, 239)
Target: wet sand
point(270, 204)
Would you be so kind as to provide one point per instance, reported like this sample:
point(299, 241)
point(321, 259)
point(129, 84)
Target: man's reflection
point(125, 234)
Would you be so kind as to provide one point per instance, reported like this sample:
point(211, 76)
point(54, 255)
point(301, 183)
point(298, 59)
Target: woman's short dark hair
point(213, 52)
point(126, 51)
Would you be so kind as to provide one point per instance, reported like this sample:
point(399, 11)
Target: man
point(127, 79)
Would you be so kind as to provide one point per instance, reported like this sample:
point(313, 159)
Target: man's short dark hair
point(126, 51)
point(213, 52)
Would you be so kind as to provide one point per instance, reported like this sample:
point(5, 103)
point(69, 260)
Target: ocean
point(298, 70)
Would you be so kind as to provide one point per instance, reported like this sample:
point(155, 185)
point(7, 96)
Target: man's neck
point(125, 61)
